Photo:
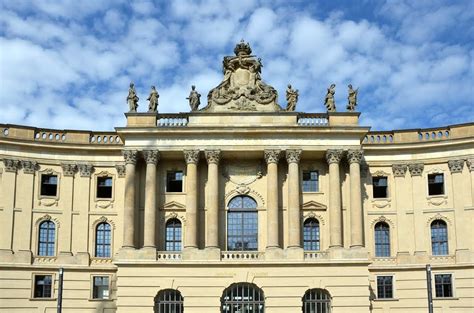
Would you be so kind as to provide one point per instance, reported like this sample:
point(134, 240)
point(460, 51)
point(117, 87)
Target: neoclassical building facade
point(240, 206)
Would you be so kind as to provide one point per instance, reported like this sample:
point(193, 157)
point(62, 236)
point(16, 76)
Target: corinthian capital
point(293, 156)
point(11, 165)
point(130, 156)
point(354, 156)
point(120, 170)
point(85, 169)
point(191, 156)
point(69, 169)
point(455, 166)
point(470, 164)
point(272, 156)
point(151, 156)
point(416, 169)
point(399, 170)
point(334, 156)
point(213, 156)
point(29, 167)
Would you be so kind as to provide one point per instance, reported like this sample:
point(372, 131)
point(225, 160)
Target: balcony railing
point(315, 255)
point(241, 255)
point(168, 256)
point(313, 119)
point(172, 120)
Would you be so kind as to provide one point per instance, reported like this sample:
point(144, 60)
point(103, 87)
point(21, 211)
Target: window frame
point(33, 286)
point(109, 287)
point(49, 171)
point(382, 244)
point(317, 181)
point(229, 291)
point(242, 211)
point(169, 171)
point(95, 242)
point(453, 289)
point(38, 239)
point(392, 287)
point(428, 184)
point(97, 186)
point(387, 194)
point(431, 238)
point(318, 301)
point(318, 239)
point(171, 303)
point(174, 241)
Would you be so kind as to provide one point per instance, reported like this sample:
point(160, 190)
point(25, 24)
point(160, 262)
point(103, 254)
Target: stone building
point(240, 206)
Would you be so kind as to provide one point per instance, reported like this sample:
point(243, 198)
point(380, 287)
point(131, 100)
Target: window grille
point(46, 238)
point(173, 235)
point(243, 297)
point(384, 287)
point(103, 240)
point(439, 238)
point(316, 301)
point(311, 234)
point(242, 224)
point(382, 239)
point(168, 301)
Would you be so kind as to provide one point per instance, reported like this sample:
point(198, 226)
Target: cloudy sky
point(67, 63)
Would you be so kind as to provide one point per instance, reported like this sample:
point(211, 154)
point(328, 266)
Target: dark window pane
point(104, 187)
point(174, 181)
point(435, 184)
point(43, 286)
point(443, 285)
point(310, 181)
point(100, 287)
point(384, 287)
point(243, 297)
point(49, 185)
point(316, 301)
point(168, 301)
point(379, 185)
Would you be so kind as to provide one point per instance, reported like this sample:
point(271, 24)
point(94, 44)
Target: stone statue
point(329, 100)
point(153, 98)
point(194, 99)
point(132, 98)
point(291, 98)
point(352, 98)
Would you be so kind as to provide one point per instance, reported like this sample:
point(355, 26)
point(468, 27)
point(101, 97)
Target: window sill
point(100, 300)
point(446, 298)
point(386, 299)
point(313, 192)
point(43, 299)
point(174, 193)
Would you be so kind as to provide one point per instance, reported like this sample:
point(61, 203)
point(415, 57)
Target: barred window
point(100, 288)
point(103, 240)
point(316, 301)
point(310, 181)
point(382, 239)
point(168, 301)
point(243, 297)
point(311, 234)
point(242, 224)
point(443, 285)
point(439, 237)
point(384, 287)
point(173, 235)
point(47, 230)
point(43, 286)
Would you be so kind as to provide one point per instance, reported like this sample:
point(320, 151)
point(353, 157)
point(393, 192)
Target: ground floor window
point(100, 287)
point(384, 287)
point(316, 301)
point(243, 297)
point(168, 301)
point(43, 286)
point(443, 285)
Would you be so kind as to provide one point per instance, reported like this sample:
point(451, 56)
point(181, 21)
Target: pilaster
point(294, 216)
point(212, 203)
point(191, 158)
point(333, 157)
point(272, 157)
point(418, 195)
point(354, 158)
point(151, 159)
point(130, 157)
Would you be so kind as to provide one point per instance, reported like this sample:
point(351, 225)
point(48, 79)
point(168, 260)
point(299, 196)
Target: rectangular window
point(100, 288)
point(43, 286)
point(379, 185)
point(49, 185)
point(310, 181)
point(385, 287)
point(104, 187)
point(443, 285)
point(435, 184)
point(174, 181)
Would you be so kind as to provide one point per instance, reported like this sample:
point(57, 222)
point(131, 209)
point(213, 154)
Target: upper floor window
point(103, 240)
point(435, 184)
point(46, 238)
point(43, 286)
point(379, 185)
point(310, 181)
point(168, 301)
point(382, 239)
point(311, 234)
point(316, 301)
point(242, 224)
point(100, 287)
point(443, 285)
point(49, 185)
point(173, 235)
point(174, 181)
point(104, 187)
point(439, 237)
point(384, 287)
point(243, 297)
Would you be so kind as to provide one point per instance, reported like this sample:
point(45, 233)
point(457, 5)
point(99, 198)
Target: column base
point(6, 255)
point(147, 253)
point(127, 253)
point(464, 256)
point(212, 253)
point(421, 257)
point(404, 257)
point(191, 253)
point(274, 253)
point(83, 258)
point(294, 253)
point(24, 256)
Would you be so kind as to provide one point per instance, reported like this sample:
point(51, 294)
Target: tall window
point(243, 297)
point(316, 301)
point(174, 181)
point(384, 287)
point(102, 240)
point(100, 288)
point(435, 184)
point(49, 185)
point(168, 301)
point(104, 187)
point(46, 238)
point(382, 239)
point(443, 286)
point(242, 224)
point(379, 185)
point(173, 235)
point(439, 237)
point(311, 234)
point(310, 181)
point(43, 286)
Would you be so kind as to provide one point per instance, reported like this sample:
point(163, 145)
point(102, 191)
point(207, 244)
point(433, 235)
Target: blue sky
point(67, 63)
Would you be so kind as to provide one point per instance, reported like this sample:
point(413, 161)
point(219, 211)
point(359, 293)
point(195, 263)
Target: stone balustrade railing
point(315, 255)
point(105, 138)
point(168, 256)
point(172, 120)
point(241, 255)
point(312, 119)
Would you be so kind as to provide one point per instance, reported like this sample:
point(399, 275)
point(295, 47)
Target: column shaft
point(129, 201)
point(191, 234)
point(151, 158)
point(212, 199)
point(335, 211)
point(294, 217)
point(357, 233)
point(272, 156)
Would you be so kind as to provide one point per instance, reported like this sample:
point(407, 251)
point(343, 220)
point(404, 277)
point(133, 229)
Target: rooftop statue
point(242, 88)
point(291, 98)
point(352, 98)
point(329, 100)
point(153, 98)
point(132, 98)
point(194, 99)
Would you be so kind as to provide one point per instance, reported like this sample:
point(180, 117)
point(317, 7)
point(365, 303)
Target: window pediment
point(313, 205)
point(174, 206)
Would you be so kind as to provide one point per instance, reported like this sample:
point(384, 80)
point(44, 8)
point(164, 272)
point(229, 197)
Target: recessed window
point(49, 185)
point(435, 184)
point(43, 286)
point(382, 239)
point(173, 235)
point(311, 234)
point(100, 288)
point(168, 301)
point(103, 240)
point(439, 237)
point(443, 285)
point(104, 187)
point(385, 287)
point(317, 301)
point(174, 181)
point(310, 181)
point(46, 238)
point(379, 185)
point(242, 224)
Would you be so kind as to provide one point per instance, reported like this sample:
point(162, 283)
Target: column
point(272, 157)
point(9, 178)
point(130, 157)
point(294, 217)
point(357, 232)
point(418, 202)
point(212, 213)
point(333, 158)
point(151, 159)
point(460, 200)
point(191, 234)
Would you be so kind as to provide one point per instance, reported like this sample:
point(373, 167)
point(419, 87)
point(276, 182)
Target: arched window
point(311, 234)
point(102, 240)
point(382, 239)
point(168, 301)
point(243, 297)
point(173, 235)
point(439, 237)
point(316, 301)
point(46, 238)
point(242, 224)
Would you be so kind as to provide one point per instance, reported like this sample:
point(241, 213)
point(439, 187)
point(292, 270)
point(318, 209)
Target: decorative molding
point(191, 156)
point(437, 200)
point(120, 170)
point(245, 191)
point(312, 214)
point(399, 170)
point(456, 166)
point(175, 215)
point(382, 219)
point(130, 156)
point(313, 205)
point(272, 156)
point(334, 156)
point(85, 169)
point(48, 217)
point(11, 165)
point(212, 156)
point(438, 216)
point(381, 203)
point(470, 164)
point(293, 156)
point(103, 219)
point(254, 173)
point(151, 156)
point(29, 167)
point(173, 205)
point(379, 173)
point(355, 156)
point(69, 169)
point(416, 169)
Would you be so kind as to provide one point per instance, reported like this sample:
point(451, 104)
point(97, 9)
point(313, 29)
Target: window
point(173, 235)
point(43, 286)
point(385, 287)
point(316, 301)
point(242, 224)
point(100, 287)
point(439, 237)
point(310, 181)
point(311, 234)
point(104, 187)
point(174, 181)
point(46, 238)
point(382, 239)
point(379, 185)
point(168, 301)
point(243, 297)
point(102, 240)
point(443, 285)
point(435, 184)
point(49, 185)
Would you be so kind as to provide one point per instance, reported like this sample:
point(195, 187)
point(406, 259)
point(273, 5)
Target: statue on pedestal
point(194, 99)
point(291, 98)
point(153, 98)
point(329, 100)
point(132, 98)
point(352, 98)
